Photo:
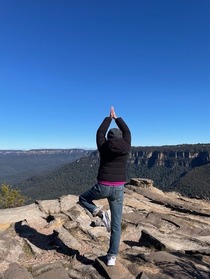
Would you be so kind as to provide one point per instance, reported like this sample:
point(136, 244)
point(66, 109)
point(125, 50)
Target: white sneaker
point(106, 221)
point(111, 260)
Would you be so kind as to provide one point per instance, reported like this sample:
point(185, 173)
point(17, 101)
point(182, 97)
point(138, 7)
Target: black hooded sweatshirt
point(113, 151)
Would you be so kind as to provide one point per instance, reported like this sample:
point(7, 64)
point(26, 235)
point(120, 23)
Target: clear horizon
point(64, 64)
point(84, 148)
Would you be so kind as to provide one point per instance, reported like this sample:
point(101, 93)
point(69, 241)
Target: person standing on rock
point(113, 150)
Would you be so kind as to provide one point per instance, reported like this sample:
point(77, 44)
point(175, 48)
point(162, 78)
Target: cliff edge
point(164, 235)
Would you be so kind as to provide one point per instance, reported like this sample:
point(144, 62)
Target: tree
point(10, 197)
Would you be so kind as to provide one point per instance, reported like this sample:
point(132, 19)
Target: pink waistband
point(112, 183)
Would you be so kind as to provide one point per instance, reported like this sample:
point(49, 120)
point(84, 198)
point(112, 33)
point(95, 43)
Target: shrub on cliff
point(10, 197)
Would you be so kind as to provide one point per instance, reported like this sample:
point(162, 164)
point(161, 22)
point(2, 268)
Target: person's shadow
point(47, 242)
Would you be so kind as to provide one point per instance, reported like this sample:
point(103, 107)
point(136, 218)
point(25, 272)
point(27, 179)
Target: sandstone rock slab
point(114, 272)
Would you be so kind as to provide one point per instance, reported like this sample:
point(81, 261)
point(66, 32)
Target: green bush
point(10, 197)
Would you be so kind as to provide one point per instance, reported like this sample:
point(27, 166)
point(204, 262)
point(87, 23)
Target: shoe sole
point(108, 264)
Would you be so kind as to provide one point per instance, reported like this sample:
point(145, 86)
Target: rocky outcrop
point(164, 235)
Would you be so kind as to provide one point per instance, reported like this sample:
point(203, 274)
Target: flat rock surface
point(115, 272)
point(164, 235)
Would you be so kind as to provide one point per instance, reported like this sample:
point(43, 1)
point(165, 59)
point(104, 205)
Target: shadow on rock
point(48, 242)
point(42, 241)
point(131, 243)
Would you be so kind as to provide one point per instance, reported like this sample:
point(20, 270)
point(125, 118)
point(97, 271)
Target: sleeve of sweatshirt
point(101, 132)
point(124, 128)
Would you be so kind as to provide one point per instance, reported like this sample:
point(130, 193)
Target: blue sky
point(64, 63)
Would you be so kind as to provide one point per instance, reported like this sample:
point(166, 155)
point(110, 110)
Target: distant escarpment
point(165, 165)
point(171, 156)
